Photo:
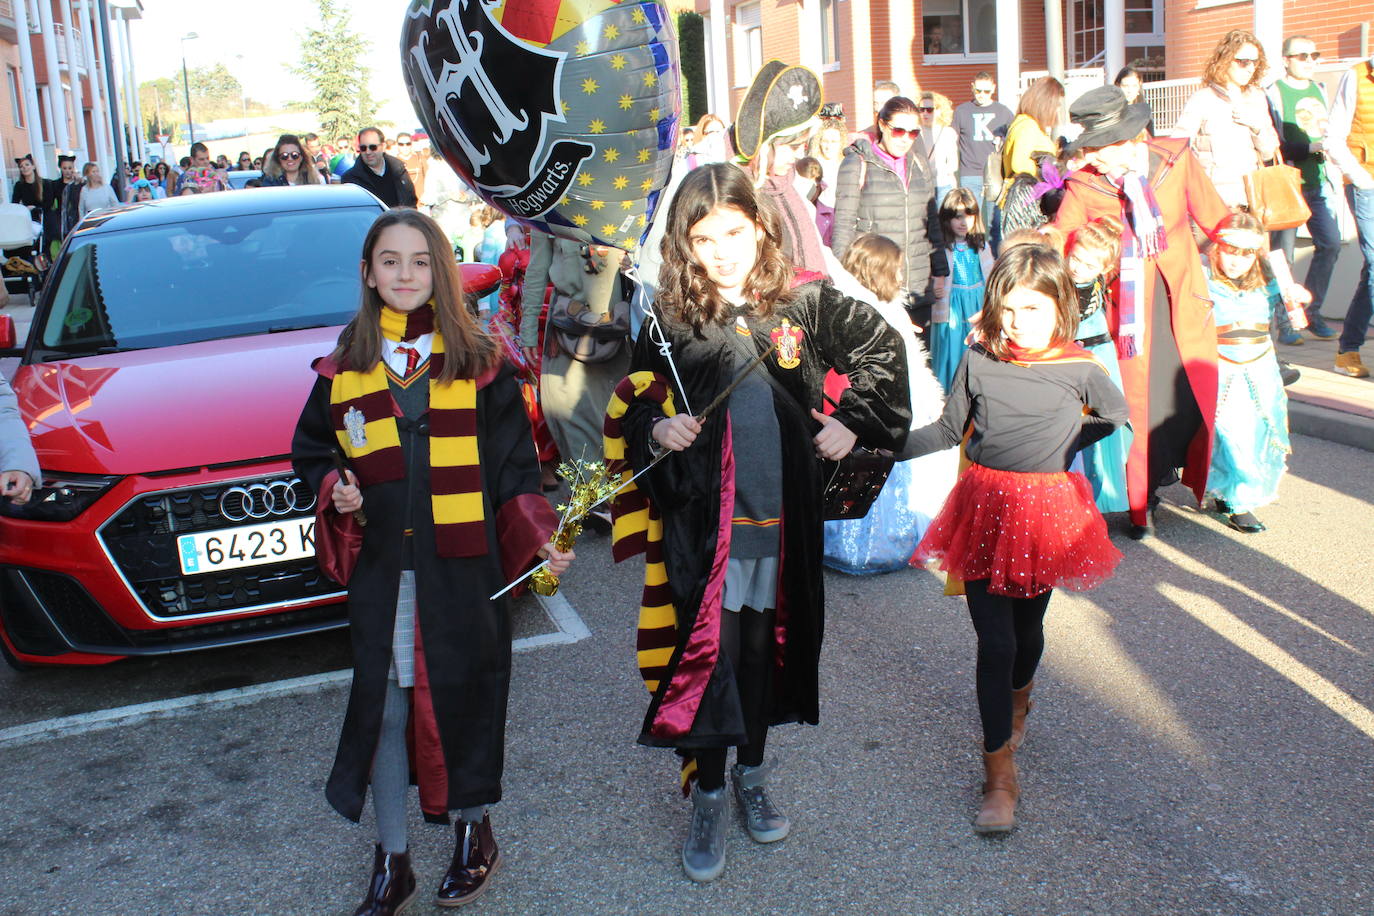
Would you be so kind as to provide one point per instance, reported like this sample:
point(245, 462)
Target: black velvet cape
point(838, 332)
point(462, 640)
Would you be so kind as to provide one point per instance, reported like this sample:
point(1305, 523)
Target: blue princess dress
point(949, 320)
point(1250, 451)
point(1103, 462)
point(884, 540)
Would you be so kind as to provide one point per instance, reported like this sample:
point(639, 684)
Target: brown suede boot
point(1000, 792)
point(392, 886)
point(1020, 707)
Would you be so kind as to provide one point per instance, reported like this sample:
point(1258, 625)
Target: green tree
point(164, 107)
point(331, 61)
point(215, 93)
point(691, 44)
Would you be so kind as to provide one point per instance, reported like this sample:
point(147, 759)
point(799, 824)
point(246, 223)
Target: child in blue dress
point(884, 540)
point(1093, 252)
point(970, 262)
point(1250, 449)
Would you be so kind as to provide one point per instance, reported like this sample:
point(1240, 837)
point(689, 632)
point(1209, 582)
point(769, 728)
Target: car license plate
point(249, 545)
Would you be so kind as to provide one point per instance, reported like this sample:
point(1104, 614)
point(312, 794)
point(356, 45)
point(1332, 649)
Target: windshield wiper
point(295, 327)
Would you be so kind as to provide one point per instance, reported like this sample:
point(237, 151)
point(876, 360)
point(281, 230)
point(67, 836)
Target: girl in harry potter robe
point(443, 469)
point(730, 522)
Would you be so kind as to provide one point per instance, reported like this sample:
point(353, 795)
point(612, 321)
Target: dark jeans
point(992, 215)
point(1011, 638)
point(1326, 248)
point(1357, 318)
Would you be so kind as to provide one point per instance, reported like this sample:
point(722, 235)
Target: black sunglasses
point(369, 147)
point(291, 156)
point(925, 110)
point(1245, 61)
point(1305, 55)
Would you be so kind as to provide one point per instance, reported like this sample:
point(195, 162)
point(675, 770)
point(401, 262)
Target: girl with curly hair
point(730, 631)
point(1227, 121)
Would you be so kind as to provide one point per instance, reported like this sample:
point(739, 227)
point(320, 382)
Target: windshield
point(162, 286)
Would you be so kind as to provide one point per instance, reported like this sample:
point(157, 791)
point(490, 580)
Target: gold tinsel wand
point(592, 485)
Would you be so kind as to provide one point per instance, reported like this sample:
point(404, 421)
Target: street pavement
point(1200, 744)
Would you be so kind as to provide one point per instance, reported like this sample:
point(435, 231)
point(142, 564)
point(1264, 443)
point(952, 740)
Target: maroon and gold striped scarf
point(364, 415)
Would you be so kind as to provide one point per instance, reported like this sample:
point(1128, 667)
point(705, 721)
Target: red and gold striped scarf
point(364, 415)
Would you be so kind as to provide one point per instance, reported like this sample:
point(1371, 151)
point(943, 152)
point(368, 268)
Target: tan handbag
point(1275, 196)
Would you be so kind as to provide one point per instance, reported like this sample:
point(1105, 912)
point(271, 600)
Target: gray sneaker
point(703, 855)
point(763, 821)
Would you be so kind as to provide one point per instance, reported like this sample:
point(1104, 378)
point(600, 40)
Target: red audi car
point(166, 366)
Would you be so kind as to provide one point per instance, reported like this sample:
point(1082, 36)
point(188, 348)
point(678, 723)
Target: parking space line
point(570, 629)
point(65, 726)
point(564, 617)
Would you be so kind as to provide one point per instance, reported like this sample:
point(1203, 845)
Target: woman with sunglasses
point(1227, 121)
point(888, 188)
point(287, 164)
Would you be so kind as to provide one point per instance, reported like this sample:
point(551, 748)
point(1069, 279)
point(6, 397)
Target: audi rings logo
point(273, 499)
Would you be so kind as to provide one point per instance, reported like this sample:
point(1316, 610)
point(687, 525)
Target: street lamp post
point(186, 84)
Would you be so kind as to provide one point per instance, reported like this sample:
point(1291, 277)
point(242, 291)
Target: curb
point(1332, 425)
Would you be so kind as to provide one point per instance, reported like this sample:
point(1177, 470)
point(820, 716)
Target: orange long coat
point(1183, 190)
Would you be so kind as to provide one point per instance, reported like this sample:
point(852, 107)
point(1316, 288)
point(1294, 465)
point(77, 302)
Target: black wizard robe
point(462, 640)
point(695, 701)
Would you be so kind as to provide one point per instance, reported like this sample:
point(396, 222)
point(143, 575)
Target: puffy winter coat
point(870, 197)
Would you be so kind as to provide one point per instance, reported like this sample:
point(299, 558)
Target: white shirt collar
point(424, 345)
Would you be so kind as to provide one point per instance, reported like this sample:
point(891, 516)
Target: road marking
point(570, 626)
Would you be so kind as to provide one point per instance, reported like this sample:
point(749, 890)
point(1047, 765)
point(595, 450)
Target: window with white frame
point(1088, 41)
point(1144, 34)
point(830, 32)
point(748, 42)
point(12, 78)
point(963, 27)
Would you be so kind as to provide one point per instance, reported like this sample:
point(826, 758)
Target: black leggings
point(746, 637)
point(1011, 637)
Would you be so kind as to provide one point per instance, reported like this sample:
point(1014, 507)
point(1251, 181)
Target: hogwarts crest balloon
point(561, 113)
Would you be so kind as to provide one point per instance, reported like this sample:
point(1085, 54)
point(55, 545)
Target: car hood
point(172, 407)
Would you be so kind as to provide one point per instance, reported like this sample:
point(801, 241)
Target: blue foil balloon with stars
point(562, 114)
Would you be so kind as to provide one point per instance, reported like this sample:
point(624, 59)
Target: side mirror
point(480, 279)
point(7, 332)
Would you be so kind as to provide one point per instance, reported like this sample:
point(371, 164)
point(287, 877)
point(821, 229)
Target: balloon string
point(658, 335)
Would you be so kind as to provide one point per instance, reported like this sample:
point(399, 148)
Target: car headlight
point(60, 498)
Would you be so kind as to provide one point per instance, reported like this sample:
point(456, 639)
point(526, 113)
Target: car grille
point(75, 619)
point(142, 541)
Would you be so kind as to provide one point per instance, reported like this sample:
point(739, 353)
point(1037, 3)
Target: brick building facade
point(941, 44)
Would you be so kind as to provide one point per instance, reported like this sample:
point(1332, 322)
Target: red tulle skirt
point(1026, 532)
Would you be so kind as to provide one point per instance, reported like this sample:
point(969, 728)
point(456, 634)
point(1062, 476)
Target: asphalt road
point(1201, 743)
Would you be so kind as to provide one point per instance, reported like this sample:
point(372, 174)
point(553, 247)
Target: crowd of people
point(1040, 328)
point(1042, 316)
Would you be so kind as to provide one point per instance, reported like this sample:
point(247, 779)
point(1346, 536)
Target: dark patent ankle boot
point(392, 887)
point(474, 859)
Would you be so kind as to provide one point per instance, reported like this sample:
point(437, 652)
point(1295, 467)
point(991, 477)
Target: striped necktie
point(412, 356)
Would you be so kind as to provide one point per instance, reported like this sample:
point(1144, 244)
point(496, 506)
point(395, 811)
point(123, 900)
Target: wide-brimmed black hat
point(780, 101)
point(1106, 118)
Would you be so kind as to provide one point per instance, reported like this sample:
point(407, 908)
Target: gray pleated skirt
point(751, 582)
